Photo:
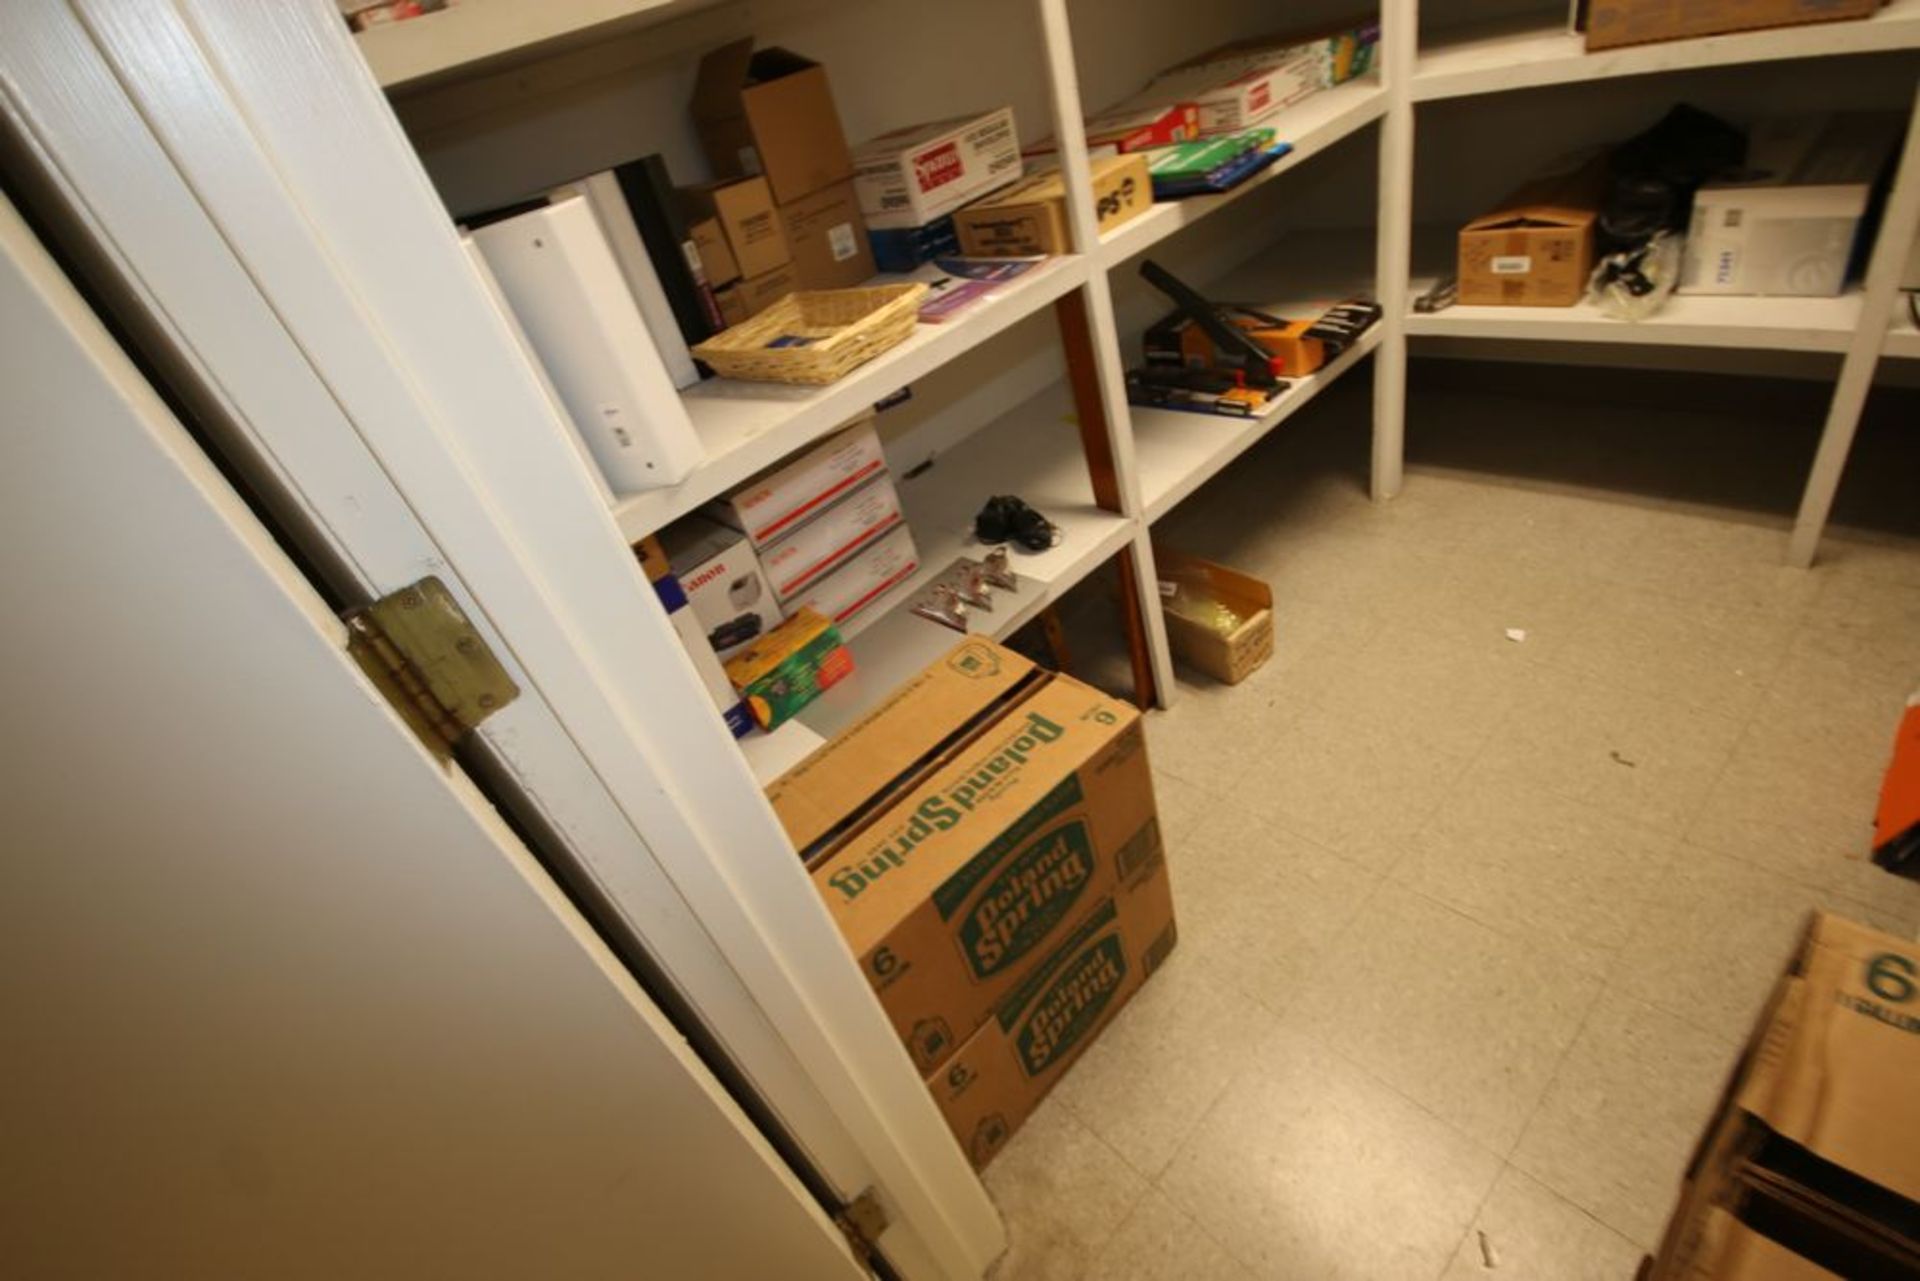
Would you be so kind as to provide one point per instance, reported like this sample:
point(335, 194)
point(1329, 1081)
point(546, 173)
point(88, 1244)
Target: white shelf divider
point(1527, 52)
point(748, 426)
point(1311, 126)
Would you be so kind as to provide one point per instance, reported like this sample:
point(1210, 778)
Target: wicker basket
point(848, 327)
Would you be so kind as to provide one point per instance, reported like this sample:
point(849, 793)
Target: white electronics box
point(911, 176)
point(559, 276)
point(725, 586)
point(781, 500)
point(850, 591)
point(797, 560)
point(1787, 221)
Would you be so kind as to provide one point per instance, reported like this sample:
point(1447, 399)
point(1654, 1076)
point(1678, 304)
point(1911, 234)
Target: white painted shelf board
point(472, 36)
point(1526, 52)
point(1757, 323)
point(769, 755)
point(1033, 451)
point(1903, 339)
point(1178, 452)
point(748, 426)
point(1311, 126)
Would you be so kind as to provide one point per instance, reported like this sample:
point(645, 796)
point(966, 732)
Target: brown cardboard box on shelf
point(1816, 1142)
point(1229, 657)
point(1535, 248)
point(1611, 23)
point(992, 1083)
point(1030, 217)
point(828, 239)
point(747, 217)
point(950, 892)
point(770, 112)
point(716, 259)
point(749, 297)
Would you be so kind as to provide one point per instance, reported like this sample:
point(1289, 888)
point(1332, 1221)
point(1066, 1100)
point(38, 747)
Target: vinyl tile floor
point(1473, 920)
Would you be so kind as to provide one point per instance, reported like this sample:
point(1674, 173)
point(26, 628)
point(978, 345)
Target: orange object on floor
point(1896, 834)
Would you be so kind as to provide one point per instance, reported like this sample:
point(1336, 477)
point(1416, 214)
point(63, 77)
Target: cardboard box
point(780, 500)
point(749, 220)
point(724, 583)
point(857, 586)
point(1611, 23)
point(1789, 221)
point(769, 112)
point(716, 259)
point(949, 895)
point(1816, 1142)
point(1228, 657)
point(836, 790)
point(1535, 248)
point(789, 667)
point(1129, 128)
point(1342, 50)
point(828, 239)
point(1242, 92)
point(992, 1083)
point(811, 551)
point(910, 176)
point(749, 297)
point(1732, 1251)
point(1030, 217)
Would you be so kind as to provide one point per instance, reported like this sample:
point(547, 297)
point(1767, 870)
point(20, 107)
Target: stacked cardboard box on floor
point(770, 112)
point(1811, 1165)
point(986, 840)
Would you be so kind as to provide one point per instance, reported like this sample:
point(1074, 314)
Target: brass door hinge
point(863, 1219)
point(421, 652)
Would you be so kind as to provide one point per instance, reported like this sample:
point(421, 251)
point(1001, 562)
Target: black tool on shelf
point(1233, 349)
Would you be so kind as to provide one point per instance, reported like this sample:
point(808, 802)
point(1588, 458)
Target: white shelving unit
point(1162, 457)
point(1526, 52)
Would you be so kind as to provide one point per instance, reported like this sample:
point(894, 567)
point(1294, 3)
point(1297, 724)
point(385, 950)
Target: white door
point(281, 996)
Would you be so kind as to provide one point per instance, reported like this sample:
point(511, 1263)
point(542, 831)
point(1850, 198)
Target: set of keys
point(966, 585)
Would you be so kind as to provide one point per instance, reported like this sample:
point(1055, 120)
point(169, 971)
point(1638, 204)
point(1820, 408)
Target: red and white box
point(911, 176)
point(1124, 129)
point(1233, 97)
point(796, 562)
point(782, 500)
point(858, 585)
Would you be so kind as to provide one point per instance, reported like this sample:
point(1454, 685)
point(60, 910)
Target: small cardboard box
point(1787, 222)
point(835, 790)
point(744, 299)
point(949, 895)
point(789, 667)
point(992, 1083)
point(857, 586)
point(1030, 217)
point(1230, 657)
point(724, 582)
point(908, 177)
point(1534, 249)
point(828, 239)
point(770, 112)
point(807, 554)
point(1817, 1137)
point(716, 258)
point(780, 500)
point(1611, 23)
point(749, 220)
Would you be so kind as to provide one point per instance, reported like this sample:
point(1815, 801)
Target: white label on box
point(840, 239)
point(1512, 264)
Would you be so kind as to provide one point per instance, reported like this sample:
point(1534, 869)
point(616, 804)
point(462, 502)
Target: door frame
point(306, 280)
